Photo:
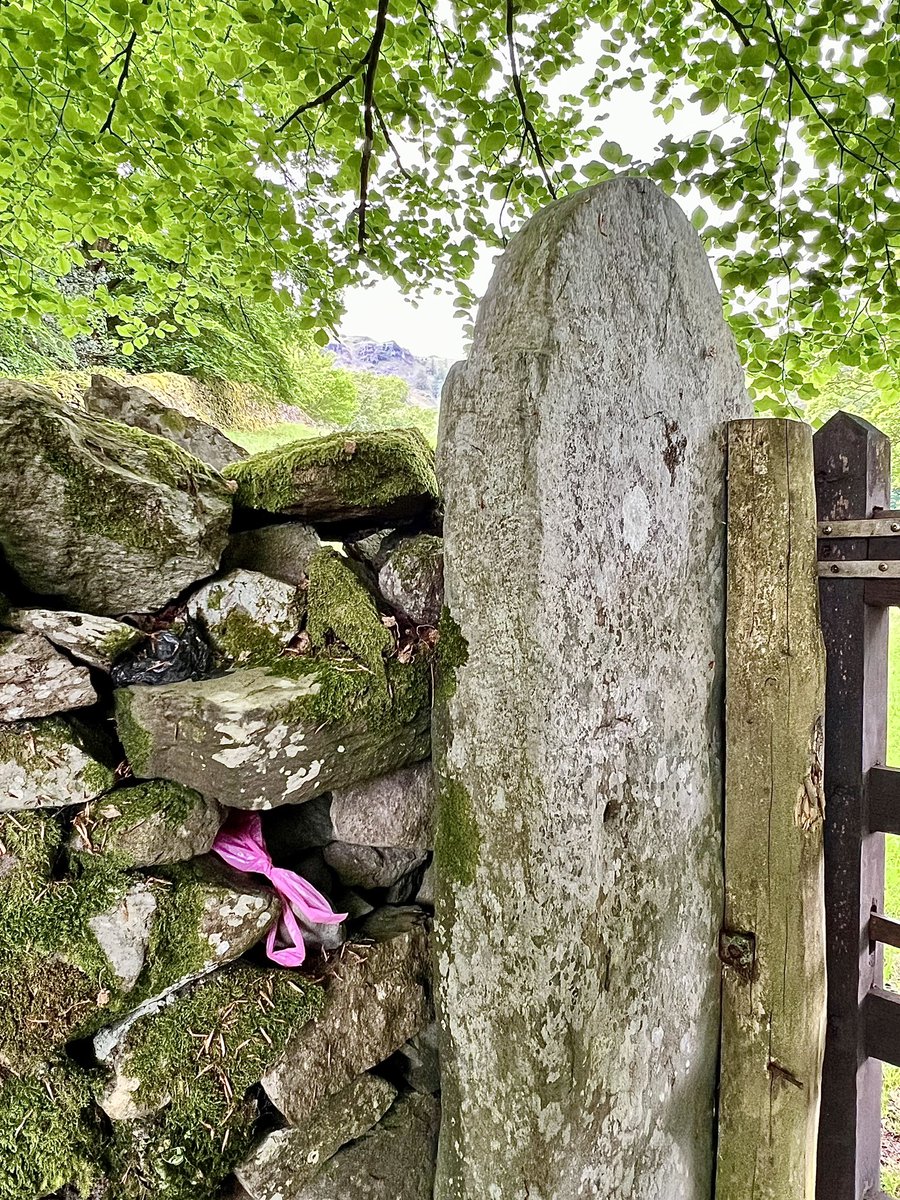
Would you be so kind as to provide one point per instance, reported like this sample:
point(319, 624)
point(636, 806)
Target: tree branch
point(738, 26)
point(368, 117)
point(529, 128)
point(329, 93)
point(106, 127)
point(386, 134)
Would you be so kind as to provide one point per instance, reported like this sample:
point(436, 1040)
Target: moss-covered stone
point(49, 1137)
point(339, 605)
point(343, 477)
point(412, 578)
point(54, 977)
point(249, 618)
point(199, 1057)
point(107, 516)
point(323, 722)
point(148, 824)
point(52, 762)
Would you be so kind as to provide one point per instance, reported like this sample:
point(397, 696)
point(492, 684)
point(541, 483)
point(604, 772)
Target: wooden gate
point(859, 573)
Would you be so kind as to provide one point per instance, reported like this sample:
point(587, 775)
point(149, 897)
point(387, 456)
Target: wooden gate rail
point(862, 799)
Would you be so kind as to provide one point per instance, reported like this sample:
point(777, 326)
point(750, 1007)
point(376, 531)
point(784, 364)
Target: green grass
point(890, 1103)
point(271, 436)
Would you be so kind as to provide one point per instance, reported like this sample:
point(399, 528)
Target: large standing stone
point(378, 999)
point(37, 681)
point(343, 477)
point(256, 739)
point(136, 406)
point(579, 767)
point(107, 517)
point(49, 763)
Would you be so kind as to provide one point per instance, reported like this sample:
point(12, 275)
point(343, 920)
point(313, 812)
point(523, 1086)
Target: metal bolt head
point(882, 566)
point(895, 526)
point(826, 529)
point(835, 568)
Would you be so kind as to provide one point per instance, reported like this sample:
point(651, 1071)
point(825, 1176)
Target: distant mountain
point(425, 376)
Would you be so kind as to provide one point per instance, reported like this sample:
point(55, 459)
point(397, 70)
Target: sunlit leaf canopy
point(300, 142)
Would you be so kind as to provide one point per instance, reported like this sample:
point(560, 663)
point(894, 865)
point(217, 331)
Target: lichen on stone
point(204, 1053)
point(340, 604)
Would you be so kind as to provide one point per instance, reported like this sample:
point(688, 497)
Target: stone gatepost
point(582, 459)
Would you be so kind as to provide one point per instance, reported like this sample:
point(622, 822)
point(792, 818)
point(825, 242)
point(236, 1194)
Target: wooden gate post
point(852, 481)
point(773, 940)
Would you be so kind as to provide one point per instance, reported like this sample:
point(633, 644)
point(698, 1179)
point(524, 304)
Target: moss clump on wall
point(49, 1138)
point(204, 1052)
point(54, 977)
point(119, 642)
point(135, 739)
point(177, 948)
point(347, 692)
point(457, 836)
point(364, 472)
point(340, 604)
point(246, 641)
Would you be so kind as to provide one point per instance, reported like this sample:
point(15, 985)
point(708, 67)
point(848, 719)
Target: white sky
point(430, 326)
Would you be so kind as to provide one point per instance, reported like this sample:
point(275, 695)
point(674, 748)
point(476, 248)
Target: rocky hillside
point(425, 376)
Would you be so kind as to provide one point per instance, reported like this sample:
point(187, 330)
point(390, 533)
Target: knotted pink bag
point(240, 843)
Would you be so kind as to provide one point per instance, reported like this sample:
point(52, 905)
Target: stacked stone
point(279, 611)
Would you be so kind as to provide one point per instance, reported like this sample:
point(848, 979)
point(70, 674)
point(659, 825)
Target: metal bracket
point(874, 527)
point(858, 569)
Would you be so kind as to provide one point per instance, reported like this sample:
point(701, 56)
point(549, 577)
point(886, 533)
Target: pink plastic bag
point(240, 843)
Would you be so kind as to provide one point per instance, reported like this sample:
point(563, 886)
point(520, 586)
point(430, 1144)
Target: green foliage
point(267, 140)
point(855, 391)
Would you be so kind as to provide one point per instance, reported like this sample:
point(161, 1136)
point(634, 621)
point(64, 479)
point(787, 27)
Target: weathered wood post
point(773, 941)
point(578, 717)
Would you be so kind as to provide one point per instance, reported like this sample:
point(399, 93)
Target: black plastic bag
point(168, 656)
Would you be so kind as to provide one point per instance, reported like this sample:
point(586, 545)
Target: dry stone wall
point(177, 644)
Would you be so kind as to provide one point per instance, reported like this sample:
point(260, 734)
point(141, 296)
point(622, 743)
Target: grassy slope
point(891, 1098)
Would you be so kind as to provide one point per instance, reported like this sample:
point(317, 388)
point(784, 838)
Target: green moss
point(452, 653)
point(246, 641)
point(48, 1136)
point(52, 971)
point(136, 740)
point(177, 948)
point(215, 598)
point(364, 472)
point(457, 837)
point(348, 691)
point(98, 778)
point(120, 641)
point(106, 467)
point(204, 1052)
point(339, 604)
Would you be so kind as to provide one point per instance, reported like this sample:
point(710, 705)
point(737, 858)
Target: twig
point(327, 95)
point(106, 127)
point(530, 130)
point(368, 117)
point(386, 134)
point(738, 26)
